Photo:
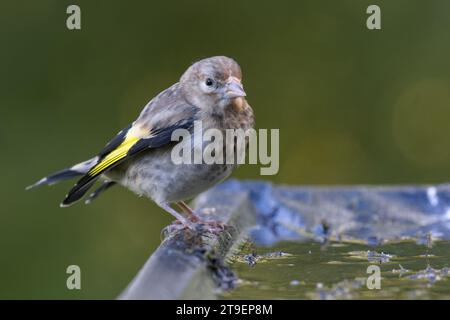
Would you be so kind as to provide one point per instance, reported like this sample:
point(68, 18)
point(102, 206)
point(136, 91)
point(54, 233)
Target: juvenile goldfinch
point(139, 157)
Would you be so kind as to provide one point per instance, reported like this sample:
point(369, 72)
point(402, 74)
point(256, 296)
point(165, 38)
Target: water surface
point(309, 270)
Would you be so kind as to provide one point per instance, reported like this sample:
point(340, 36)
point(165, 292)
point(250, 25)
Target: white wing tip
point(37, 184)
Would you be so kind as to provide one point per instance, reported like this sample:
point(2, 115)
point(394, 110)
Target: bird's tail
point(66, 174)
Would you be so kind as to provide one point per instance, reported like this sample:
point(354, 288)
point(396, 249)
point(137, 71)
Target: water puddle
point(338, 270)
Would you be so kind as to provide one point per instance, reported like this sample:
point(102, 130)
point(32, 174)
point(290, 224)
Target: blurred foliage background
point(353, 107)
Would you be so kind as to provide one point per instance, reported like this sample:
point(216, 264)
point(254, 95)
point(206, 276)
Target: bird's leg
point(186, 222)
point(186, 209)
point(210, 226)
point(192, 221)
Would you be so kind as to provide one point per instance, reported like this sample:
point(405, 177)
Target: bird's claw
point(214, 227)
point(197, 225)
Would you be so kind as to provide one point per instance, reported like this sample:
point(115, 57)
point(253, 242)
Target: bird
point(139, 156)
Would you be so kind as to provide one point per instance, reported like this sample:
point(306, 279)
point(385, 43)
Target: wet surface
point(338, 270)
point(372, 214)
point(318, 242)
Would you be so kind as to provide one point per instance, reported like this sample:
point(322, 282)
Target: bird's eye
point(209, 82)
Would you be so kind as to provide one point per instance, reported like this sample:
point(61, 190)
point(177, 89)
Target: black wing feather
point(160, 137)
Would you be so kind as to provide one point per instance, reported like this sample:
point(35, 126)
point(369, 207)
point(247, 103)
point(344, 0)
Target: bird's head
point(213, 82)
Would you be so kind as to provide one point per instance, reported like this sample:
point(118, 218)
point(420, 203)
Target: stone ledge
point(183, 266)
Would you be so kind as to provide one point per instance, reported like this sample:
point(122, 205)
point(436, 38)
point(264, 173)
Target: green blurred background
point(353, 106)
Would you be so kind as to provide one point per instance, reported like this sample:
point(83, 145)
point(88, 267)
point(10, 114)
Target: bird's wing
point(153, 129)
point(104, 186)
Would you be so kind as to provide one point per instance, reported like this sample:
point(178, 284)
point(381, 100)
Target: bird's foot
point(196, 224)
point(209, 226)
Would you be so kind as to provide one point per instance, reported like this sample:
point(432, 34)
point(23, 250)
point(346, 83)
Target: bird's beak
point(234, 88)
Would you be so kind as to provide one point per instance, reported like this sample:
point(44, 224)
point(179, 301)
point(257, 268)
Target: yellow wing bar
point(117, 154)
